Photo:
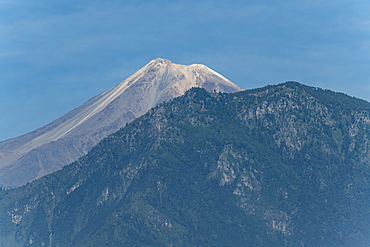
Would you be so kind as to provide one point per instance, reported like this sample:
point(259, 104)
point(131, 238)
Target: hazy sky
point(55, 55)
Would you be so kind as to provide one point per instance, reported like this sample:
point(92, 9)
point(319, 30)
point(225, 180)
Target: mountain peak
point(160, 61)
point(74, 134)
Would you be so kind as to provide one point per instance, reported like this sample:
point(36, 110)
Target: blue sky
point(55, 55)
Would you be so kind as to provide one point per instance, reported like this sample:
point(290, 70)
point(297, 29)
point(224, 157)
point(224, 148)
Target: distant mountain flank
point(285, 165)
point(40, 152)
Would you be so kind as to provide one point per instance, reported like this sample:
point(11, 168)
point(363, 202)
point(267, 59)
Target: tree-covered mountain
point(283, 165)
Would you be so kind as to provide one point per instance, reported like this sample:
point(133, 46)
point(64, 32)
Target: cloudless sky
point(55, 55)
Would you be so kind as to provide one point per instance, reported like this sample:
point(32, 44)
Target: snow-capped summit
point(64, 140)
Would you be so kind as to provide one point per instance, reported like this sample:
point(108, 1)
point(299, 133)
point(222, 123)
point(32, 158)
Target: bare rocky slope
point(63, 141)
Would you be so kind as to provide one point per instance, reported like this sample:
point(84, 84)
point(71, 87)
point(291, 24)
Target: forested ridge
point(282, 165)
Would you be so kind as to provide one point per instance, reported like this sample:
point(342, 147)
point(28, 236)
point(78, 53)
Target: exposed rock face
point(63, 141)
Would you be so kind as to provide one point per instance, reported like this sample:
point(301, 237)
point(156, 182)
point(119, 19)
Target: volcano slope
point(49, 148)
